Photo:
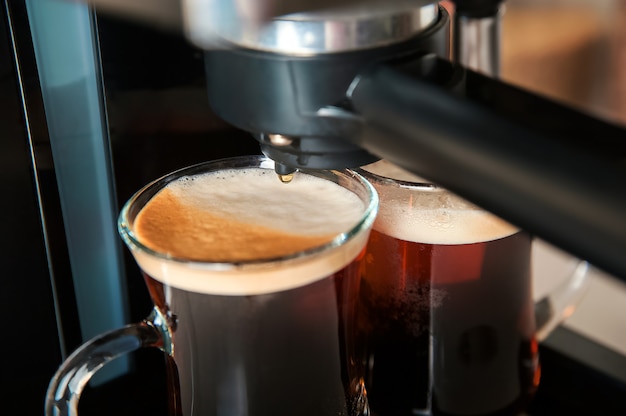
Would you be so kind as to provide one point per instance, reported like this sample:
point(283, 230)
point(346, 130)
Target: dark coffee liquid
point(285, 353)
point(449, 328)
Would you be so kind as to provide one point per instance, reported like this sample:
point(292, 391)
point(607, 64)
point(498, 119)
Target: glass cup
point(265, 324)
point(448, 318)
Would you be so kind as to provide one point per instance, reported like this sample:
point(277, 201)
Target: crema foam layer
point(431, 216)
point(218, 219)
point(442, 226)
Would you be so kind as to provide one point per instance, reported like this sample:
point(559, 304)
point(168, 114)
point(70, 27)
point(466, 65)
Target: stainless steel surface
point(353, 29)
point(477, 43)
point(307, 33)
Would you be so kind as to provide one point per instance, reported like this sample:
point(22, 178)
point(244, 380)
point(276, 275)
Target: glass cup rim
point(421, 187)
point(148, 191)
point(399, 183)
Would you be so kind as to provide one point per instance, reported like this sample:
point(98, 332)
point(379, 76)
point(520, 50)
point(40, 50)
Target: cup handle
point(561, 302)
point(70, 379)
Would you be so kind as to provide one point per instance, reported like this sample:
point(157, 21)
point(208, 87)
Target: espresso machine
point(106, 96)
point(337, 84)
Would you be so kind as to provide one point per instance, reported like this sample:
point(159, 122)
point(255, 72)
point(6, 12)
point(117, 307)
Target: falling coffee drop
point(285, 178)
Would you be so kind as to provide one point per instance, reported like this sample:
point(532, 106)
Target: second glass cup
point(447, 316)
point(254, 284)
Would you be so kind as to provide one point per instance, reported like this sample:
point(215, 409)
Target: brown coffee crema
point(169, 226)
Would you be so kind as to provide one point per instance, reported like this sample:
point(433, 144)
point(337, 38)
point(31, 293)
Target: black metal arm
point(545, 167)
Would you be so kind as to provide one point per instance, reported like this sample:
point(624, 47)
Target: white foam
point(308, 205)
point(430, 215)
point(442, 226)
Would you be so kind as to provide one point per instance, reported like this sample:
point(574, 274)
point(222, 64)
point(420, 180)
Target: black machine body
point(403, 100)
point(296, 104)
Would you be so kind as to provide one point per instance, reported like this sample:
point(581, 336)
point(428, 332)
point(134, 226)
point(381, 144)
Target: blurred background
point(574, 51)
point(570, 50)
